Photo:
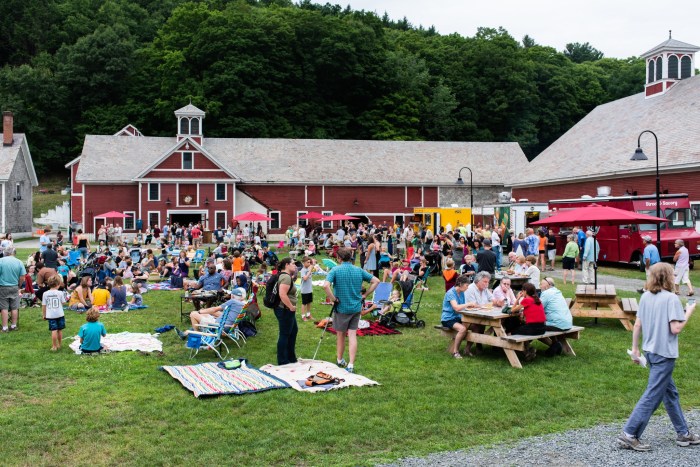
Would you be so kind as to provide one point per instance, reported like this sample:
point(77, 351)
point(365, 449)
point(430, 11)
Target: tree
point(579, 53)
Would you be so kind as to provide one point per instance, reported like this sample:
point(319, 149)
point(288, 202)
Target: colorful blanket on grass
point(208, 379)
point(374, 329)
point(165, 285)
point(104, 309)
point(125, 341)
point(296, 373)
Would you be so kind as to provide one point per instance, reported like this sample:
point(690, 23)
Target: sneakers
point(457, 355)
point(180, 334)
point(13, 328)
point(350, 369)
point(626, 442)
point(342, 363)
point(688, 439)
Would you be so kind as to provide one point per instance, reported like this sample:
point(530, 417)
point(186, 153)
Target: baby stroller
point(407, 314)
point(135, 254)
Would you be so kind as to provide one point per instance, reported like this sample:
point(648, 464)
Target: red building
point(597, 150)
point(192, 178)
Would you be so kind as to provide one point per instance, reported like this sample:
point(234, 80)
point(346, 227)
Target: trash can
point(206, 236)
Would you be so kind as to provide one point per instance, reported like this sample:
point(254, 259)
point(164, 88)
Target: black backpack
point(272, 296)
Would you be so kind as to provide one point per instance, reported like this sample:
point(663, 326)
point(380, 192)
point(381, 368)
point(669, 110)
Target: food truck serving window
point(678, 219)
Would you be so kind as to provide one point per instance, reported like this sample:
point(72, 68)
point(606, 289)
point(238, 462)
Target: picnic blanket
point(104, 310)
point(208, 379)
point(165, 285)
point(374, 329)
point(125, 341)
point(296, 373)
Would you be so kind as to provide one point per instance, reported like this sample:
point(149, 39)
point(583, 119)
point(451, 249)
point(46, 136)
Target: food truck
point(434, 217)
point(624, 243)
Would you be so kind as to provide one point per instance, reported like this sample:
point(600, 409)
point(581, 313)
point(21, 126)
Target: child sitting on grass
point(102, 295)
point(52, 310)
point(136, 298)
point(91, 332)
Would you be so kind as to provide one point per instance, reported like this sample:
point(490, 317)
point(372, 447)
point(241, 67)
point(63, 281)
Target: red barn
point(597, 150)
point(192, 178)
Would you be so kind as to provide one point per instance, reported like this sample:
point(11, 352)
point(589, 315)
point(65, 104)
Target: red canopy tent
point(596, 215)
point(252, 216)
point(113, 215)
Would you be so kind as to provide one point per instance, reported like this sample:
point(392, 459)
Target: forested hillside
point(279, 69)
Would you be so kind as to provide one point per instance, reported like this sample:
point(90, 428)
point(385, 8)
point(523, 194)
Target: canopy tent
point(252, 216)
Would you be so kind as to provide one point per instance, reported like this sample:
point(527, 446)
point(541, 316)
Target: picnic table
point(495, 334)
point(602, 302)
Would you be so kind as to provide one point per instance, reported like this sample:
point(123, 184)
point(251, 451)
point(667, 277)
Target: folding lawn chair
point(209, 337)
point(73, 258)
point(198, 257)
point(233, 332)
point(381, 293)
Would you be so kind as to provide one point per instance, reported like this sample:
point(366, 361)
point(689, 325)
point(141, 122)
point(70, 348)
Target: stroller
point(135, 254)
point(90, 266)
point(407, 314)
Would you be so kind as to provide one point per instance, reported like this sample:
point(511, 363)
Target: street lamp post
point(471, 195)
point(640, 156)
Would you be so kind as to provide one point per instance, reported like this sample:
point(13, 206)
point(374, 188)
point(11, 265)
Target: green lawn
point(120, 409)
point(42, 202)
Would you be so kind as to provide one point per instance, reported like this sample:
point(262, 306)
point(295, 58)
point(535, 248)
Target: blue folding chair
point(209, 336)
point(73, 258)
point(198, 257)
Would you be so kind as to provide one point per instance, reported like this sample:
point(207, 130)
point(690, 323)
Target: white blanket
point(125, 341)
point(292, 373)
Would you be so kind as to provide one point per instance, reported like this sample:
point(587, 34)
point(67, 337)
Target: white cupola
point(189, 123)
point(668, 63)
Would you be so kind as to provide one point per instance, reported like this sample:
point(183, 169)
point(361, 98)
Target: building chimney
point(7, 128)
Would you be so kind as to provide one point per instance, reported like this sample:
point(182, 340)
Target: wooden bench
point(447, 332)
point(629, 305)
point(569, 302)
point(573, 333)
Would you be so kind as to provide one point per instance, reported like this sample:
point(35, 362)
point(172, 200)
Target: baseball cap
point(646, 238)
point(238, 291)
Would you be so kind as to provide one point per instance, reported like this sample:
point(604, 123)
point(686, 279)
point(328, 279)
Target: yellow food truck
point(432, 217)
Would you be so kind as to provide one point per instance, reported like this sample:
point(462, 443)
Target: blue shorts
point(56, 324)
point(451, 323)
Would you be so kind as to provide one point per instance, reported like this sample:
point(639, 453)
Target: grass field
point(42, 202)
point(120, 409)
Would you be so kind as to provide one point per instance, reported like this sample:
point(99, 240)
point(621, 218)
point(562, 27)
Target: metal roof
point(8, 157)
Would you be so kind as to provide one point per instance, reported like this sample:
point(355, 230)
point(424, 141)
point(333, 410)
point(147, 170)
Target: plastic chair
point(210, 337)
point(73, 258)
point(198, 256)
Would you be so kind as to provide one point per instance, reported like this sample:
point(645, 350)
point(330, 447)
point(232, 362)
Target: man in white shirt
point(340, 234)
point(682, 260)
point(496, 245)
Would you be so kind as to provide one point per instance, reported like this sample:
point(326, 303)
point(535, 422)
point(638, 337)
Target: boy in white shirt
point(52, 310)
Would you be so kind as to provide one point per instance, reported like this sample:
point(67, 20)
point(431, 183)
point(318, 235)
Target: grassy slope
point(42, 202)
point(120, 409)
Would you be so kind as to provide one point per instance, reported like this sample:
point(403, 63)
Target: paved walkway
point(621, 283)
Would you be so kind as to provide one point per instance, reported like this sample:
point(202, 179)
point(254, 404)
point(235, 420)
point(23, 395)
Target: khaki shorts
point(681, 275)
point(344, 322)
point(9, 298)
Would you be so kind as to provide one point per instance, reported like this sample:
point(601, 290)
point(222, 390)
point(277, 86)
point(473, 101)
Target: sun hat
point(239, 291)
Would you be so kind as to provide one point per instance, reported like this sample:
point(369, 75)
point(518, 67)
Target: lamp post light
point(640, 156)
point(471, 195)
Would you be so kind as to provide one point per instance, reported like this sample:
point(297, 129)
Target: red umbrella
point(252, 216)
point(597, 215)
point(113, 215)
point(338, 217)
point(311, 215)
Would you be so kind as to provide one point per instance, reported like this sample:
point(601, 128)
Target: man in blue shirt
point(590, 247)
point(581, 239)
point(11, 272)
point(650, 257)
point(347, 282)
point(209, 282)
point(533, 243)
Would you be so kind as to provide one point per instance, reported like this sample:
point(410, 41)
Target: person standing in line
point(682, 260)
point(581, 239)
point(650, 256)
point(660, 320)
point(11, 273)
point(590, 257)
point(348, 295)
point(551, 249)
point(570, 257)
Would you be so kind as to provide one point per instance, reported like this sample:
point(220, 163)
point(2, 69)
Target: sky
point(618, 28)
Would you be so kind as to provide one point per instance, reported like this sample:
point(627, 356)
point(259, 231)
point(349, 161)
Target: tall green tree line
point(275, 68)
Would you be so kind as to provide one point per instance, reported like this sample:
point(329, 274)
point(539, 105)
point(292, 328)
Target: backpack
point(272, 296)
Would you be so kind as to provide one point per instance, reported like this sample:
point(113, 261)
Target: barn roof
point(601, 144)
point(671, 45)
point(298, 161)
point(8, 157)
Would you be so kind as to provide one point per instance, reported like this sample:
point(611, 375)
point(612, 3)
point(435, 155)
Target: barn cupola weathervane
point(668, 63)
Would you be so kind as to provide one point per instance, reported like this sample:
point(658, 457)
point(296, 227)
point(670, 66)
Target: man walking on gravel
point(660, 319)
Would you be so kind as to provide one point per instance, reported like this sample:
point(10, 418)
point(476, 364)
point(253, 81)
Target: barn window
point(194, 126)
point(685, 67)
point(129, 221)
point(184, 126)
point(276, 221)
point(220, 192)
point(651, 72)
point(153, 219)
point(187, 161)
point(673, 67)
point(220, 219)
point(153, 192)
point(659, 68)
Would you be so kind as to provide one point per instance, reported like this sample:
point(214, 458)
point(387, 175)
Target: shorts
point(78, 307)
point(551, 254)
point(568, 263)
point(542, 252)
point(91, 351)
point(681, 275)
point(56, 324)
point(343, 322)
point(451, 323)
point(307, 298)
point(9, 298)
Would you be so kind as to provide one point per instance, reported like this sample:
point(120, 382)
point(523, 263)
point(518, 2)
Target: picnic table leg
point(566, 347)
point(512, 356)
point(627, 323)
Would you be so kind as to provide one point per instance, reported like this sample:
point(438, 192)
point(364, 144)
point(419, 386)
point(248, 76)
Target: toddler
point(136, 298)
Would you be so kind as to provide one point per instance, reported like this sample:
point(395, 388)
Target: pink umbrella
point(338, 217)
point(311, 215)
point(252, 216)
point(114, 215)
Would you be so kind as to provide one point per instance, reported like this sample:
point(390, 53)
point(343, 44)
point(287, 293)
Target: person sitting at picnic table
point(531, 311)
point(211, 281)
point(503, 294)
point(532, 271)
point(454, 302)
point(512, 262)
point(557, 312)
point(478, 295)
